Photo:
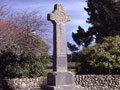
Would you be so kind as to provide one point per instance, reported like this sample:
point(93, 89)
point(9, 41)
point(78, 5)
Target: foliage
point(14, 66)
point(24, 43)
point(72, 47)
point(80, 38)
point(104, 17)
point(17, 33)
point(22, 52)
point(3, 10)
point(100, 59)
point(31, 21)
point(23, 55)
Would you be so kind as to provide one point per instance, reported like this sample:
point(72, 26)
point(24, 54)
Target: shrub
point(14, 66)
point(100, 59)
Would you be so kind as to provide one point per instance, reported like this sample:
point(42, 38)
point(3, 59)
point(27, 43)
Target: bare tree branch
point(3, 10)
point(15, 33)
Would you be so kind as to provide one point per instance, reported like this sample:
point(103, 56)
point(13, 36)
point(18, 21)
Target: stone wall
point(98, 82)
point(87, 82)
point(26, 82)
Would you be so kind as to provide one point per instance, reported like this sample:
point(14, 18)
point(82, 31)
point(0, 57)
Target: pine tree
point(104, 16)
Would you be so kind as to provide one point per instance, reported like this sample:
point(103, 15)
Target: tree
point(100, 59)
point(20, 41)
point(14, 66)
point(30, 21)
point(20, 27)
point(23, 53)
point(104, 17)
point(81, 38)
point(3, 10)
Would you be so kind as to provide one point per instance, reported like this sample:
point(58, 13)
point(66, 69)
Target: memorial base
point(65, 87)
point(60, 81)
point(60, 78)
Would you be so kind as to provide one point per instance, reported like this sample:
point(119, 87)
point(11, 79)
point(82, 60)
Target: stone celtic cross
point(61, 78)
point(59, 18)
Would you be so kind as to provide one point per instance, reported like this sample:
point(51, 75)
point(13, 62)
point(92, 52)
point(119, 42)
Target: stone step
point(44, 89)
point(31, 89)
point(36, 89)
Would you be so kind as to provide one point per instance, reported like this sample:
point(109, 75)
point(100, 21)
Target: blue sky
point(73, 7)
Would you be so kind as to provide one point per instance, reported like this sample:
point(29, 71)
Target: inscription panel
point(61, 63)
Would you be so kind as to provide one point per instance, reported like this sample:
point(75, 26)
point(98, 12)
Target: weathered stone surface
point(26, 83)
point(65, 87)
point(35, 89)
point(60, 78)
point(81, 82)
point(59, 18)
point(59, 15)
point(61, 64)
point(98, 82)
